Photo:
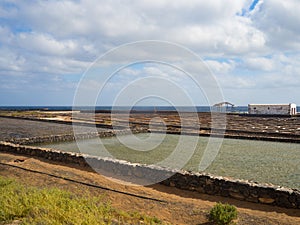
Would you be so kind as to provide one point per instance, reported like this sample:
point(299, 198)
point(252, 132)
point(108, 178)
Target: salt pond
point(261, 161)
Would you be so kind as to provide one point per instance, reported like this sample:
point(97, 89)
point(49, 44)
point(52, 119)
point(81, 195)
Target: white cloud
point(286, 64)
point(46, 45)
point(83, 30)
point(198, 24)
point(60, 37)
point(260, 63)
point(221, 67)
point(234, 82)
point(280, 21)
point(279, 71)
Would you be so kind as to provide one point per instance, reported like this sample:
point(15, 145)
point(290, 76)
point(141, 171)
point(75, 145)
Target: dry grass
point(31, 205)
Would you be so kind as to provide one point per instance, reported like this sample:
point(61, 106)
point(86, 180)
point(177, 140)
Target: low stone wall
point(202, 183)
point(237, 189)
point(70, 137)
point(62, 138)
point(54, 138)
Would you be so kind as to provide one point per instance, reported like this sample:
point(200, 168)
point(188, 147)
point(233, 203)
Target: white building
point(272, 109)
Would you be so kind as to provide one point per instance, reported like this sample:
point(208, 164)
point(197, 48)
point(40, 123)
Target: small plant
point(223, 214)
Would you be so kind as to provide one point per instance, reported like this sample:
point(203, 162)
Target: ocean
point(237, 109)
point(240, 109)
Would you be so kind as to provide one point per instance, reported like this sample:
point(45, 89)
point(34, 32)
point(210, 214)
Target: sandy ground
point(178, 206)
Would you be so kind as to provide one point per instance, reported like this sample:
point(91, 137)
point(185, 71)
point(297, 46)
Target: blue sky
point(251, 47)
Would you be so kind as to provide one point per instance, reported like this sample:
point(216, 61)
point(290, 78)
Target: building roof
point(274, 104)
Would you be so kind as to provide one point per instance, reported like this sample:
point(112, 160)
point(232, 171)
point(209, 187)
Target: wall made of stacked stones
point(199, 182)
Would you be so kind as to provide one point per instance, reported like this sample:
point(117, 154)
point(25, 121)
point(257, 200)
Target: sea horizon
point(240, 109)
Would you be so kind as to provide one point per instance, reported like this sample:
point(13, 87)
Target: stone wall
point(199, 182)
point(70, 137)
point(237, 189)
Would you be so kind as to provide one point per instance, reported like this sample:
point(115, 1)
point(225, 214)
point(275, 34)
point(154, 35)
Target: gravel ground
point(18, 128)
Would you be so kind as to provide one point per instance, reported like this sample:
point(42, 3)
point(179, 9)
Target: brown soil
point(178, 206)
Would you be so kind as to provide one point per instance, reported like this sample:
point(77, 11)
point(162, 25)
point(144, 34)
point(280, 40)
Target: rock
point(200, 189)
point(266, 200)
point(138, 172)
point(236, 195)
point(251, 199)
point(172, 184)
point(224, 193)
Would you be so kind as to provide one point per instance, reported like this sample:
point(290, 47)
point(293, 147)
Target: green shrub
point(223, 214)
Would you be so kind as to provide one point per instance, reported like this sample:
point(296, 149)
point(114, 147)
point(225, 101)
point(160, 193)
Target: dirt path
point(177, 206)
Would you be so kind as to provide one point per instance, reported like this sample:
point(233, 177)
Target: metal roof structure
point(222, 104)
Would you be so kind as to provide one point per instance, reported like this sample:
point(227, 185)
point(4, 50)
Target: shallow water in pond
point(260, 161)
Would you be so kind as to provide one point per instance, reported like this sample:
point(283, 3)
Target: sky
point(50, 49)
